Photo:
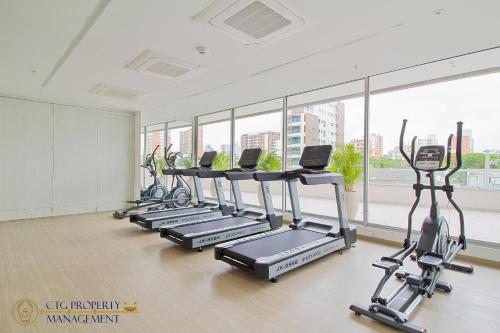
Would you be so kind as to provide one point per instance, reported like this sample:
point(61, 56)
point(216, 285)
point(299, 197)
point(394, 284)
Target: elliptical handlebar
point(401, 144)
point(458, 152)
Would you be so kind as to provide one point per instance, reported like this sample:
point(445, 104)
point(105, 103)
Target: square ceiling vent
point(102, 89)
point(256, 22)
point(159, 65)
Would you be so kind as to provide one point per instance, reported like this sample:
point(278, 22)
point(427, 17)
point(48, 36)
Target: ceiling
point(59, 52)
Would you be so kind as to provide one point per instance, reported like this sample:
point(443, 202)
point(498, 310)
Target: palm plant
point(269, 162)
point(186, 162)
point(347, 162)
point(222, 161)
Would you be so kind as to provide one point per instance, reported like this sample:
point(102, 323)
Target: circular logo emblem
point(25, 311)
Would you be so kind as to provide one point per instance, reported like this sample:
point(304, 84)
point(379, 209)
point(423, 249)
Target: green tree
point(222, 161)
point(347, 162)
point(386, 162)
point(473, 161)
point(269, 162)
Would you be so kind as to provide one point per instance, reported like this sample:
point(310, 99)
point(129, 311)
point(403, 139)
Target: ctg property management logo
point(26, 311)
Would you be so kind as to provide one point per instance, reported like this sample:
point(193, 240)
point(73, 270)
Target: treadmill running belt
point(168, 213)
point(210, 225)
point(267, 246)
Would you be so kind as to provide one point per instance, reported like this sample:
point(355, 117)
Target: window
point(432, 111)
point(180, 136)
point(295, 129)
point(332, 116)
point(155, 137)
point(259, 126)
point(296, 119)
point(214, 134)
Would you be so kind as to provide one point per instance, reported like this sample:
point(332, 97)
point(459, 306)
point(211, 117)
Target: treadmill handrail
point(268, 176)
point(239, 174)
point(193, 172)
point(172, 172)
point(322, 178)
point(210, 173)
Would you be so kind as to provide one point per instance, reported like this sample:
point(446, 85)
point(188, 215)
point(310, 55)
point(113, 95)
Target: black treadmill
point(201, 211)
point(242, 222)
point(273, 253)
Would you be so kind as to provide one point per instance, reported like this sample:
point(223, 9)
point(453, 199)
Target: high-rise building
point(429, 140)
point(267, 141)
point(321, 124)
point(186, 142)
point(225, 148)
point(154, 139)
point(376, 145)
point(467, 141)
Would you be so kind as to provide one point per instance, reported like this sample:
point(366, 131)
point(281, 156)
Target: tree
point(473, 161)
point(386, 162)
point(222, 161)
point(269, 162)
point(348, 162)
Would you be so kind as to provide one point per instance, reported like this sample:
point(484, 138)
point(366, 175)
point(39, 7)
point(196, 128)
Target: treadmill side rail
point(272, 266)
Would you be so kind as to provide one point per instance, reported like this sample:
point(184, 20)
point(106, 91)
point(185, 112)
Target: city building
point(376, 145)
point(429, 140)
point(267, 141)
point(186, 142)
point(319, 124)
point(154, 139)
point(467, 141)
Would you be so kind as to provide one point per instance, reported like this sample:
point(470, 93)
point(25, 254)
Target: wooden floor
point(96, 257)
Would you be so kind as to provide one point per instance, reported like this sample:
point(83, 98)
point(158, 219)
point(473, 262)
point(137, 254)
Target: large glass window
point(331, 116)
point(155, 137)
point(180, 136)
point(259, 126)
point(432, 109)
point(214, 134)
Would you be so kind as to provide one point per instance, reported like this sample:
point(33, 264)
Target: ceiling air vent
point(154, 63)
point(107, 90)
point(256, 22)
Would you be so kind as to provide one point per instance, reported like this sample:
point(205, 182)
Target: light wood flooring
point(94, 256)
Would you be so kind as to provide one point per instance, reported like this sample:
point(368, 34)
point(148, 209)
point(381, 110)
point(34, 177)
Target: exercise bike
point(158, 196)
point(434, 251)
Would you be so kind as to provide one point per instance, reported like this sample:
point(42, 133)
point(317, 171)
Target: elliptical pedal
point(431, 260)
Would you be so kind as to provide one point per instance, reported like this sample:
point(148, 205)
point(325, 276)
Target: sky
point(430, 109)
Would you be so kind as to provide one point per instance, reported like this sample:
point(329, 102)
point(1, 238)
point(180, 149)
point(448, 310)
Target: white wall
point(57, 159)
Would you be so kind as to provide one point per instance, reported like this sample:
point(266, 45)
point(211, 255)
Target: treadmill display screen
point(207, 159)
point(250, 158)
point(316, 157)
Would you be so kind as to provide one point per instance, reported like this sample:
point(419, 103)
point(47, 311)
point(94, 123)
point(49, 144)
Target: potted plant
point(268, 162)
point(221, 162)
point(348, 163)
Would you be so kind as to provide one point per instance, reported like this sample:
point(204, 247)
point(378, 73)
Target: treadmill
point(202, 210)
point(242, 222)
point(273, 253)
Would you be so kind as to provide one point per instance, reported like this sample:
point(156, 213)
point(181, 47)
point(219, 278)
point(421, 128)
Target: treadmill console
point(429, 158)
point(207, 159)
point(250, 158)
point(316, 157)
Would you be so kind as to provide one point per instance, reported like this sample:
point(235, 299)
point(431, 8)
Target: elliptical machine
point(157, 195)
point(435, 250)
